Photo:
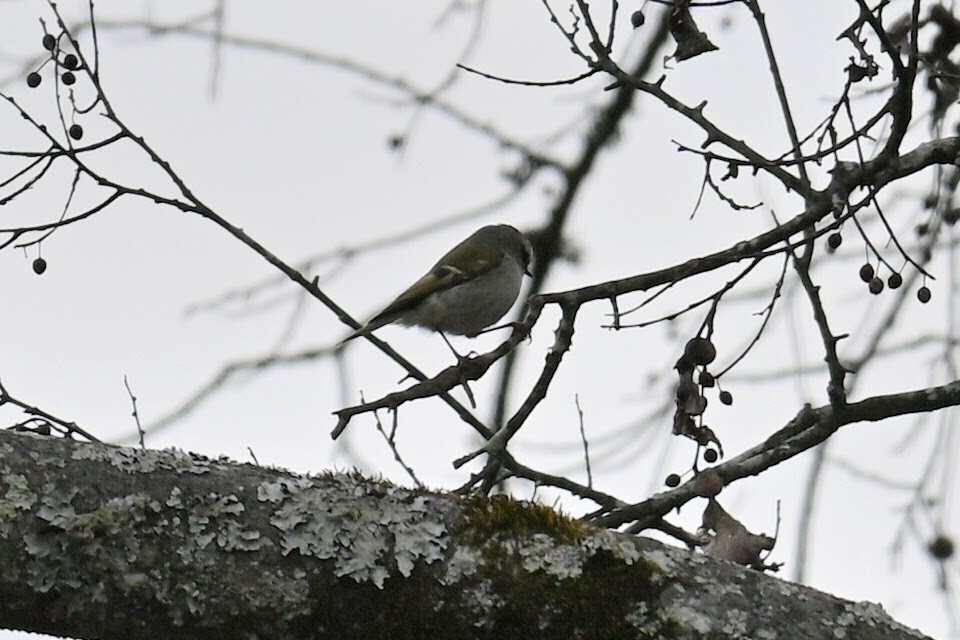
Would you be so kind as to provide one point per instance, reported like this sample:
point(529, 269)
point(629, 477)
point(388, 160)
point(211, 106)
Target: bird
point(471, 287)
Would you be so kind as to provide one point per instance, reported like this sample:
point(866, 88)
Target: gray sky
point(296, 153)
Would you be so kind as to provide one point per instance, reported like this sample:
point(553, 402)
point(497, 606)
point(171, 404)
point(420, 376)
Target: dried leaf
point(691, 42)
point(730, 540)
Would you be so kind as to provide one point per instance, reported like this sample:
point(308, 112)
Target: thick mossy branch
point(109, 542)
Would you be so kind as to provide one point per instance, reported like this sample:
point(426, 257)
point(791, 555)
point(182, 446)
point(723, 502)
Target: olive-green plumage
point(467, 290)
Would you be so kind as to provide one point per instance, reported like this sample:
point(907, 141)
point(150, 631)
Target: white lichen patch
point(729, 589)
point(620, 546)
point(643, 620)
point(465, 562)
point(134, 460)
point(56, 507)
point(39, 459)
point(663, 561)
point(735, 623)
point(870, 613)
point(84, 536)
point(480, 604)
point(175, 501)
point(214, 519)
point(688, 618)
point(367, 529)
point(18, 497)
point(542, 552)
point(111, 536)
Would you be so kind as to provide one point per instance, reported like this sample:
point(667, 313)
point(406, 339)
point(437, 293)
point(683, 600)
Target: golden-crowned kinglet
point(469, 288)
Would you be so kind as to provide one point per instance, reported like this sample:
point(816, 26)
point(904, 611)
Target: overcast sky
point(297, 153)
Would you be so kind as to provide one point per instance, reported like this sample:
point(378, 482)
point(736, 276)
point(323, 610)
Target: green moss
point(504, 517)
point(572, 571)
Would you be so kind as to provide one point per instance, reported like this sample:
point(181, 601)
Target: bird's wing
point(440, 278)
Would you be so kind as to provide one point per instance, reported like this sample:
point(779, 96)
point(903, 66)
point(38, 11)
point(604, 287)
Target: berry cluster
point(67, 64)
point(868, 274)
point(698, 353)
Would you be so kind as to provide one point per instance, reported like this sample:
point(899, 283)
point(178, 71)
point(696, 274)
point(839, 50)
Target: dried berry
point(710, 455)
point(76, 131)
point(941, 547)
point(68, 78)
point(866, 272)
point(700, 351)
point(706, 379)
point(637, 19)
point(70, 61)
point(726, 397)
point(673, 480)
point(834, 240)
point(39, 266)
point(894, 281)
point(923, 295)
point(876, 285)
point(33, 79)
point(49, 42)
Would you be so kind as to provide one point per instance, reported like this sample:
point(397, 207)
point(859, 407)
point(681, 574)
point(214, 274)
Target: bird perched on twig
point(467, 290)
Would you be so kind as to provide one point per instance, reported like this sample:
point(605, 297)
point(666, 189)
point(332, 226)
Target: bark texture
point(109, 542)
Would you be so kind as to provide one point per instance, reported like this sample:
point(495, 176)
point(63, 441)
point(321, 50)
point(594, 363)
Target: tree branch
point(102, 541)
